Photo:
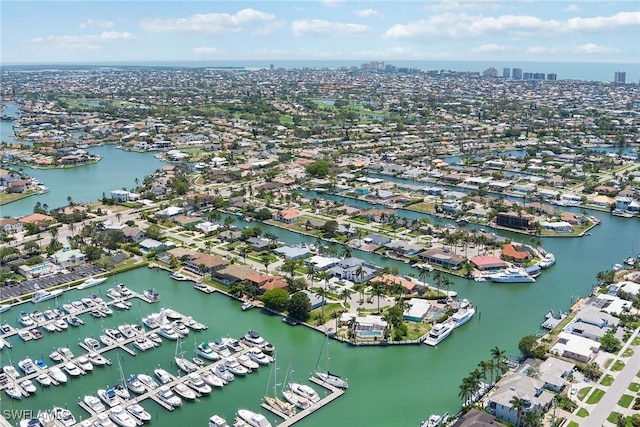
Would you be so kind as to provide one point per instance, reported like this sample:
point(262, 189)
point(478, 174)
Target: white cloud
point(205, 50)
point(368, 13)
point(320, 27)
point(391, 52)
point(605, 23)
point(572, 8)
point(210, 23)
point(592, 48)
point(90, 23)
point(268, 27)
point(454, 5)
point(540, 50)
point(491, 47)
point(87, 42)
point(332, 3)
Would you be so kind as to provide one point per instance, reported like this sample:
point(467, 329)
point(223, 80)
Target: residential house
point(257, 243)
point(265, 282)
point(575, 347)
point(391, 280)
point(554, 372)
point(520, 221)
point(288, 216)
point(292, 252)
point(133, 234)
point(476, 418)
point(201, 263)
point(67, 257)
point(233, 273)
point(19, 186)
point(353, 269)
point(416, 310)
point(442, 258)
point(517, 254)
point(488, 262)
point(592, 323)
point(186, 221)
point(122, 196)
point(36, 218)
point(403, 248)
point(515, 384)
point(10, 225)
point(230, 235)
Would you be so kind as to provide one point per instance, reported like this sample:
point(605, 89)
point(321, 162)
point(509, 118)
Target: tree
point(323, 293)
point(345, 293)
point(329, 228)
point(532, 419)
point(265, 260)
point(528, 345)
point(154, 232)
point(299, 306)
point(609, 343)
point(378, 290)
point(518, 405)
point(275, 299)
point(498, 358)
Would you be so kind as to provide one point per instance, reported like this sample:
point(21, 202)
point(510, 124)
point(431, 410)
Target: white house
point(67, 257)
point(515, 384)
point(575, 347)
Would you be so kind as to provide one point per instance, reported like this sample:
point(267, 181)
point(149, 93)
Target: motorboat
point(63, 415)
point(107, 340)
point(235, 367)
point(50, 314)
point(92, 343)
point(36, 333)
point(28, 386)
point(27, 366)
point(114, 334)
point(78, 305)
point(41, 364)
point(6, 328)
point(95, 312)
point(512, 275)
point(143, 343)
point(92, 281)
point(25, 319)
point(11, 371)
point(177, 276)
point(258, 356)
point(155, 338)
point(462, 316)
point(124, 291)
point(232, 344)
point(121, 417)
point(438, 333)
point(247, 305)
point(4, 307)
point(44, 380)
point(65, 353)
point(332, 379)
point(548, 260)
point(69, 308)
point(148, 381)
point(151, 321)
point(138, 412)
point(220, 347)
point(135, 385)
point(254, 419)
point(127, 330)
point(167, 396)
point(254, 339)
point(205, 351)
point(221, 371)
point(121, 391)
point(60, 324)
point(163, 376)
point(88, 302)
point(105, 310)
point(435, 420)
point(102, 420)
point(194, 324)
point(212, 380)
point(109, 397)
point(184, 392)
point(55, 356)
point(185, 365)
point(57, 375)
point(83, 363)
point(72, 369)
point(246, 361)
point(121, 305)
point(93, 403)
point(25, 335)
point(74, 320)
point(97, 359)
point(49, 327)
point(217, 421)
point(38, 317)
point(196, 382)
point(44, 295)
point(111, 292)
point(180, 328)
point(13, 391)
point(168, 332)
point(151, 295)
point(305, 391)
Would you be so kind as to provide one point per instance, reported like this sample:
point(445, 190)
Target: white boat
point(121, 391)
point(435, 420)
point(88, 302)
point(332, 379)
point(107, 340)
point(113, 293)
point(109, 397)
point(105, 310)
point(212, 380)
point(547, 261)
point(217, 421)
point(235, 367)
point(221, 371)
point(255, 340)
point(233, 344)
point(258, 356)
point(69, 308)
point(163, 376)
point(246, 306)
point(4, 307)
point(127, 330)
point(168, 332)
point(253, 418)
point(143, 343)
point(12, 391)
point(44, 380)
point(148, 381)
point(305, 391)
point(151, 295)
point(25, 319)
point(184, 392)
point(92, 281)
point(512, 275)
point(49, 327)
point(97, 359)
point(25, 335)
point(166, 395)
point(438, 333)
point(114, 334)
point(11, 371)
point(196, 382)
point(120, 287)
point(84, 363)
point(74, 320)
point(57, 375)
point(91, 343)
point(180, 328)
point(194, 324)
point(44, 295)
point(462, 316)
point(72, 369)
point(28, 386)
point(65, 353)
point(205, 351)
point(220, 347)
point(284, 407)
point(63, 415)
point(135, 385)
point(246, 361)
point(60, 324)
point(177, 276)
point(151, 321)
point(138, 412)
point(94, 403)
point(185, 365)
point(121, 417)
point(27, 366)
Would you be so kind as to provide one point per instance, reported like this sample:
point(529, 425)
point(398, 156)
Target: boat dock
point(203, 287)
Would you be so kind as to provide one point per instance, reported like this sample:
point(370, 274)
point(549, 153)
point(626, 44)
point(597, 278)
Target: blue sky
point(134, 31)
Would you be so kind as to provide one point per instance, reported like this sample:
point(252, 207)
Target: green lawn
point(627, 353)
point(595, 396)
point(573, 424)
point(634, 387)
point(636, 341)
point(582, 413)
point(582, 393)
point(613, 417)
point(607, 380)
point(625, 400)
point(617, 366)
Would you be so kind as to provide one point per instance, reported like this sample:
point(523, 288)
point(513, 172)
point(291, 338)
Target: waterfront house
point(353, 269)
point(488, 262)
point(627, 204)
point(233, 273)
point(288, 215)
point(517, 220)
point(67, 257)
point(575, 347)
point(153, 245)
point(37, 219)
point(390, 280)
point(169, 212)
point(442, 258)
point(517, 254)
point(186, 221)
point(554, 372)
point(416, 310)
point(476, 418)
point(207, 227)
point(19, 186)
point(592, 323)
point(515, 384)
point(292, 252)
point(403, 248)
point(10, 225)
point(321, 263)
point(627, 287)
point(557, 226)
point(265, 282)
point(230, 235)
point(201, 263)
point(122, 196)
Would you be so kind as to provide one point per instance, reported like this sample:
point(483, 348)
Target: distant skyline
point(34, 32)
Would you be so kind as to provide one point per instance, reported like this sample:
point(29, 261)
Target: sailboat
point(121, 388)
point(274, 402)
point(329, 377)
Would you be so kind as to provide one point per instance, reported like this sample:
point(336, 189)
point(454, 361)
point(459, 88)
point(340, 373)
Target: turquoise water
point(370, 334)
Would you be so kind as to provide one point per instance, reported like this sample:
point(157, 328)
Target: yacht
point(212, 380)
point(25, 335)
point(221, 371)
point(102, 420)
point(253, 419)
point(121, 417)
point(196, 382)
point(235, 367)
point(180, 328)
point(44, 295)
point(152, 295)
point(547, 261)
point(163, 376)
point(25, 319)
point(109, 397)
point(143, 343)
point(114, 334)
point(65, 353)
point(151, 321)
point(92, 281)
point(305, 391)
point(124, 291)
point(27, 366)
point(148, 381)
point(12, 391)
point(28, 386)
point(93, 403)
point(177, 276)
point(166, 395)
point(135, 385)
point(286, 408)
point(63, 415)
point(74, 320)
point(220, 347)
point(105, 310)
point(72, 369)
point(185, 365)
point(127, 330)
point(138, 412)
point(84, 363)
point(4, 307)
point(57, 375)
point(512, 275)
point(97, 359)
point(254, 339)
point(217, 421)
point(232, 344)
point(168, 332)
point(435, 420)
point(11, 371)
point(462, 316)
point(88, 302)
point(247, 362)
point(258, 356)
point(184, 392)
point(194, 324)
point(41, 364)
point(332, 379)
point(61, 324)
point(38, 317)
point(44, 380)
point(111, 292)
point(438, 333)
point(69, 308)
point(107, 340)
point(205, 351)
point(91, 343)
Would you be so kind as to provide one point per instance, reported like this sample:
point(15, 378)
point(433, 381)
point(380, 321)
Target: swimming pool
point(369, 334)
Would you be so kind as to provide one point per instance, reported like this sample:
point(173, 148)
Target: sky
point(134, 31)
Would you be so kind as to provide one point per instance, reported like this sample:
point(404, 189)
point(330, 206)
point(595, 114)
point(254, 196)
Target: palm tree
point(517, 404)
point(345, 294)
point(359, 273)
point(437, 279)
point(378, 290)
point(244, 250)
point(423, 274)
point(446, 284)
point(118, 216)
point(533, 419)
point(360, 287)
point(322, 293)
point(311, 273)
point(498, 355)
point(265, 260)
point(346, 251)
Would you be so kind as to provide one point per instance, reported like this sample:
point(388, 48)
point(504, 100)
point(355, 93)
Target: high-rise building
point(552, 76)
point(516, 73)
point(619, 77)
point(490, 72)
point(527, 76)
point(506, 73)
